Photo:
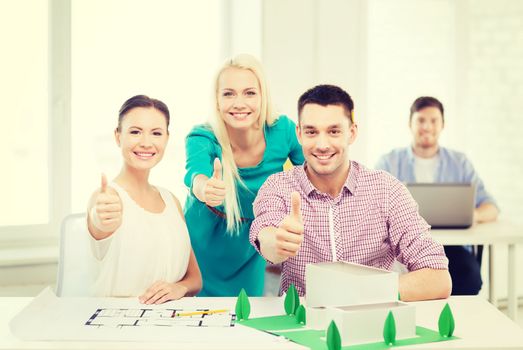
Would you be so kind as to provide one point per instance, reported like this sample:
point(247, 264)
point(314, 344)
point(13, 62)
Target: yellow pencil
point(206, 312)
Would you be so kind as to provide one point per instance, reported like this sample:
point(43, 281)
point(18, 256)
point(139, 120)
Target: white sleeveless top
point(146, 248)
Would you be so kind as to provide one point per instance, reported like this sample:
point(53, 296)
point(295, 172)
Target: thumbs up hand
point(289, 234)
point(106, 212)
point(214, 189)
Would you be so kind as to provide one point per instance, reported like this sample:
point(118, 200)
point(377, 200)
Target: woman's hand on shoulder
point(161, 292)
point(211, 190)
point(105, 213)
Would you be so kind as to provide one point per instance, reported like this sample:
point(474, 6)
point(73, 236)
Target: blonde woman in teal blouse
point(227, 162)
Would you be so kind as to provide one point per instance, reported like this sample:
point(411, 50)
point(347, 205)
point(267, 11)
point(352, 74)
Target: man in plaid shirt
point(335, 209)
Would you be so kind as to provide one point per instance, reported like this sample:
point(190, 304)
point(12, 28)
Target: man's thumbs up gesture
point(214, 189)
point(289, 234)
point(106, 212)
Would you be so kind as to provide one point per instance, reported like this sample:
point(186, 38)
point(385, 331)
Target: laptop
point(445, 205)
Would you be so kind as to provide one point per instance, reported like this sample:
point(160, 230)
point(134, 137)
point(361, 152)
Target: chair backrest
point(77, 267)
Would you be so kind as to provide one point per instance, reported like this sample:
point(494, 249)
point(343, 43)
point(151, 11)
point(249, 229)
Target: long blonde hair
point(231, 176)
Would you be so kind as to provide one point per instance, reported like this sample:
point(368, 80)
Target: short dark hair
point(142, 101)
point(325, 95)
point(424, 102)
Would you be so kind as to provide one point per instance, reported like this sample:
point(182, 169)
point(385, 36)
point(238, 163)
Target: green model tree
point(243, 307)
point(389, 329)
point(301, 315)
point(446, 322)
point(292, 300)
point(333, 337)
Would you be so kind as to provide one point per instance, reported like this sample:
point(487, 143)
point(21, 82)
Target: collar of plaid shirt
point(308, 188)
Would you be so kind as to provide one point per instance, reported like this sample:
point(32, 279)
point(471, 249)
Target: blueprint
point(119, 318)
point(184, 321)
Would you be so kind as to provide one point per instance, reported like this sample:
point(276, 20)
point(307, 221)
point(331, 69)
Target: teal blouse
point(227, 261)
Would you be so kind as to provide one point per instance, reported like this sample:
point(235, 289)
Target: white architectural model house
point(358, 299)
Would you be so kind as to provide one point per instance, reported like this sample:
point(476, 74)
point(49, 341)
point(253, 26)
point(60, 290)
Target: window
point(25, 198)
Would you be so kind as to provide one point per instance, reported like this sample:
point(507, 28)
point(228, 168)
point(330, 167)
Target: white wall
point(157, 48)
point(492, 98)
point(311, 42)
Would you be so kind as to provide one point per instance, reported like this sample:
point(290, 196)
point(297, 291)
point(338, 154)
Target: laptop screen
point(445, 205)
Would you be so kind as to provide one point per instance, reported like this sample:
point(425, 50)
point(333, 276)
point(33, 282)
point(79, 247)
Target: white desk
point(489, 234)
point(478, 324)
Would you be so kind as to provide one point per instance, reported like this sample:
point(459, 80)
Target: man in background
point(428, 162)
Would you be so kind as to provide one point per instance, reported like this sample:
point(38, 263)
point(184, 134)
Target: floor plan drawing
point(124, 318)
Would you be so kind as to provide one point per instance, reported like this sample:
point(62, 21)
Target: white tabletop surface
point(501, 231)
point(478, 324)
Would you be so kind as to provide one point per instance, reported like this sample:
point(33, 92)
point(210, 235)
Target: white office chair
point(77, 267)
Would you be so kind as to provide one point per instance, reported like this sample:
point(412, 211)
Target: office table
point(501, 232)
point(478, 325)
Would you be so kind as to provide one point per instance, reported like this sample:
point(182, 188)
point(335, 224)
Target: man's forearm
point(486, 212)
point(425, 284)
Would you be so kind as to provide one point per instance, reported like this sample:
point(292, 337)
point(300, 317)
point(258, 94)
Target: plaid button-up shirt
point(373, 221)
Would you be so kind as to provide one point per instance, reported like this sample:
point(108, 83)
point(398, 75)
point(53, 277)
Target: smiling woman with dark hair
point(137, 229)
